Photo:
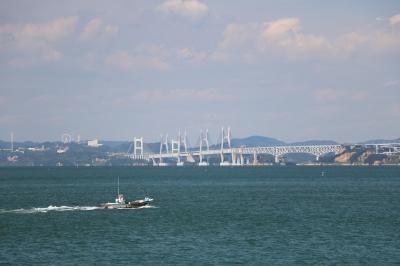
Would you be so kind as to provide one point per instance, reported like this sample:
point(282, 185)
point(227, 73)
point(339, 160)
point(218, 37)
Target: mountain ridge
point(250, 141)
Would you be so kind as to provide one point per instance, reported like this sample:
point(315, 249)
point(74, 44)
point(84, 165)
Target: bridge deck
point(316, 150)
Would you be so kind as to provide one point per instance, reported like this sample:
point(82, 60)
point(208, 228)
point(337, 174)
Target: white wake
point(52, 208)
point(66, 208)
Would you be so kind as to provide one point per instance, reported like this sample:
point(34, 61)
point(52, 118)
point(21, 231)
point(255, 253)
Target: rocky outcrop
point(344, 157)
point(365, 156)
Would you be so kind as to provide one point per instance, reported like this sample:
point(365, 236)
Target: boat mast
point(118, 186)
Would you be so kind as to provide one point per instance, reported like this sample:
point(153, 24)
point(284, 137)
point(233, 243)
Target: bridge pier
point(277, 158)
point(255, 160)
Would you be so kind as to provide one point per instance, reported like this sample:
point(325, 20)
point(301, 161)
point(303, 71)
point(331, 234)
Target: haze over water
point(260, 215)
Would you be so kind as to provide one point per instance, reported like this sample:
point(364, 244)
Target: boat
point(121, 203)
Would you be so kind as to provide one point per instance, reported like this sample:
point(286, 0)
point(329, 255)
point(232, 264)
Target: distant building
point(94, 143)
point(36, 148)
point(62, 150)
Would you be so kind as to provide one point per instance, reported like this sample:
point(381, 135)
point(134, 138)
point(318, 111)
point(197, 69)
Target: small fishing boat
point(121, 203)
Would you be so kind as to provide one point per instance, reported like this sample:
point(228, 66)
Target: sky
point(292, 70)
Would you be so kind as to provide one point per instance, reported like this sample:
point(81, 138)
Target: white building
point(94, 143)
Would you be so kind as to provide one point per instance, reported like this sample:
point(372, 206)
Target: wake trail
point(52, 208)
point(65, 208)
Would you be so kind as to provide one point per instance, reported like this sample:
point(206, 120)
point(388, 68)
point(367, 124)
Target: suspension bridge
point(176, 150)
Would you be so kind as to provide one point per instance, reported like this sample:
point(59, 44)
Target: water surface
point(203, 216)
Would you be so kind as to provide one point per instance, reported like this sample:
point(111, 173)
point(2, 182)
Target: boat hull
point(129, 205)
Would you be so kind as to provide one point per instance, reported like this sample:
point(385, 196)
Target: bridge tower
point(176, 147)
point(176, 150)
point(180, 142)
point(163, 142)
point(138, 147)
point(203, 138)
point(184, 141)
point(226, 137)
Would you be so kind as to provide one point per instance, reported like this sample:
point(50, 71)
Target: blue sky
point(293, 70)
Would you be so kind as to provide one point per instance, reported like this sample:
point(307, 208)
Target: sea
point(281, 215)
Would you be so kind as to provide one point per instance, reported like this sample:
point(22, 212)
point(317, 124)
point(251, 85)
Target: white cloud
point(279, 28)
point(385, 40)
point(31, 34)
point(188, 54)
point(31, 42)
point(236, 35)
point(91, 29)
point(127, 61)
point(394, 20)
point(95, 28)
point(377, 41)
point(193, 9)
point(352, 41)
point(282, 34)
point(285, 34)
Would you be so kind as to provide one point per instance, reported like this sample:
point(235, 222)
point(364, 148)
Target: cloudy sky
point(293, 70)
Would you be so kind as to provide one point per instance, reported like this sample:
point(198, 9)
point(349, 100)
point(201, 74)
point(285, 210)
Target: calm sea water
point(201, 216)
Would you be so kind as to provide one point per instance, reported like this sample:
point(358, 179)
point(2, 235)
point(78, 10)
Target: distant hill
point(152, 147)
point(124, 146)
point(113, 143)
point(52, 153)
point(374, 141)
point(118, 146)
point(237, 142)
point(25, 144)
point(266, 141)
point(314, 142)
point(256, 141)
